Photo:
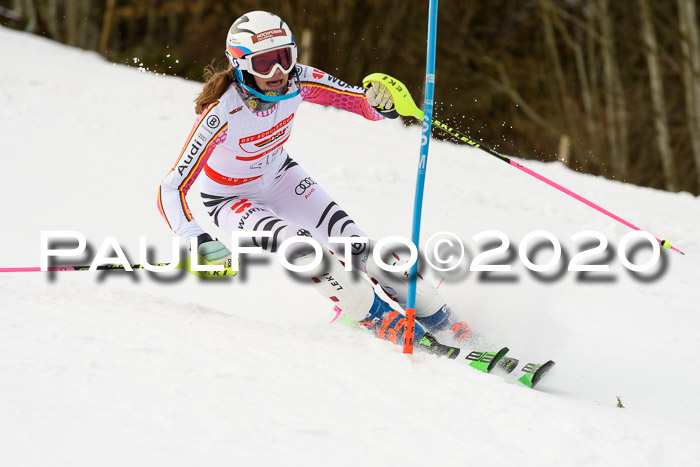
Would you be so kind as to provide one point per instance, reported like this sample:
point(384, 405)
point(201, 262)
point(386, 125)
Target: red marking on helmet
point(316, 279)
point(396, 256)
point(335, 299)
point(261, 36)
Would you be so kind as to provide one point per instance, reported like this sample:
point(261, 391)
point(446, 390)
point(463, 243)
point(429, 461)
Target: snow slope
point(133, 369)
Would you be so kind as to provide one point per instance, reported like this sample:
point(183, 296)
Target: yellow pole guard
point(402, 98)
point(186, 264)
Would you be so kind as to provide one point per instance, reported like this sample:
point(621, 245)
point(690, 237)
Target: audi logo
point(304, 185)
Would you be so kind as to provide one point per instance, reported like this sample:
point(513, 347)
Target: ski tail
point(430, 344)
point(508, 364)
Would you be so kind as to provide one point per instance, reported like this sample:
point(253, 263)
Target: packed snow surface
point(145, 369)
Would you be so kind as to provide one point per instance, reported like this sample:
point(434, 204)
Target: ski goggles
point(264, 64)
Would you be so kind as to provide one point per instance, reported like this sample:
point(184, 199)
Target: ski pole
point(406, 106)
point(452, 132)
point(81, 268)
point(183, 264)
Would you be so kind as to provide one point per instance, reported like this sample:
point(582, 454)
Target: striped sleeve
point(209, 130)
point(321, 88)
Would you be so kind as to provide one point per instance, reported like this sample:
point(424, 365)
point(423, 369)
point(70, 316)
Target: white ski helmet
point(260, 43)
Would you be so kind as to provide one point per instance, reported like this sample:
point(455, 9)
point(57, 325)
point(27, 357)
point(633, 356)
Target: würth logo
point(268, 34)
point(241, 206)
point(318, 74)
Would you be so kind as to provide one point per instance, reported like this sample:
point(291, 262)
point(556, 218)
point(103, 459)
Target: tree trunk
point(175, 12)
point(615, 112)
point(586, 94)
point(87, 37)
point(106, 27)
point(306, 49)
point(690, 47)
point(593, 42)
point(663, 141)
point(151, 23)
point(51, 18)
point(553, 53)
point(71, 23)
point(30, 14)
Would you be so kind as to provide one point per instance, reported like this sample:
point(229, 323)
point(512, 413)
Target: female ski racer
point(250, 183)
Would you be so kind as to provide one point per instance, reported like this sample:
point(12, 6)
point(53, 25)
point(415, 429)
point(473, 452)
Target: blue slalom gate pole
point(422, 165)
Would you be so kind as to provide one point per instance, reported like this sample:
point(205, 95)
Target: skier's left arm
point(319, 87)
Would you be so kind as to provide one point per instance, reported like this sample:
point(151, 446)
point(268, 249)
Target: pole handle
point(403, 101)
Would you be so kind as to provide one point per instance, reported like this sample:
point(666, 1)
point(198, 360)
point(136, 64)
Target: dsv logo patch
point(213, 121)
point(358, 247)
point(304, 185)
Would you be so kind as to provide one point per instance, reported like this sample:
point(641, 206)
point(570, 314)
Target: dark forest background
point(609, 87)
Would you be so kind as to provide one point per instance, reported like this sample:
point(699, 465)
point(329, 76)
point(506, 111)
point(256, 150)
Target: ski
point(484, 361)
point(534, 372)
point(508, 364)
point(527, 374)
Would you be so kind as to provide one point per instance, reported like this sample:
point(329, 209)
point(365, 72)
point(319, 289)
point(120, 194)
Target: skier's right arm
point(208, 131)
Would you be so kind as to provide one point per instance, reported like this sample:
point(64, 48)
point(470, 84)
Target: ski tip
point(499, 355)
point(541, 372)
point(534, 372)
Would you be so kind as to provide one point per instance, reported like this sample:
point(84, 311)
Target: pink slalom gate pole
point(587, 202)
point(102, 267)
point(36, 269)
point(452, 132)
